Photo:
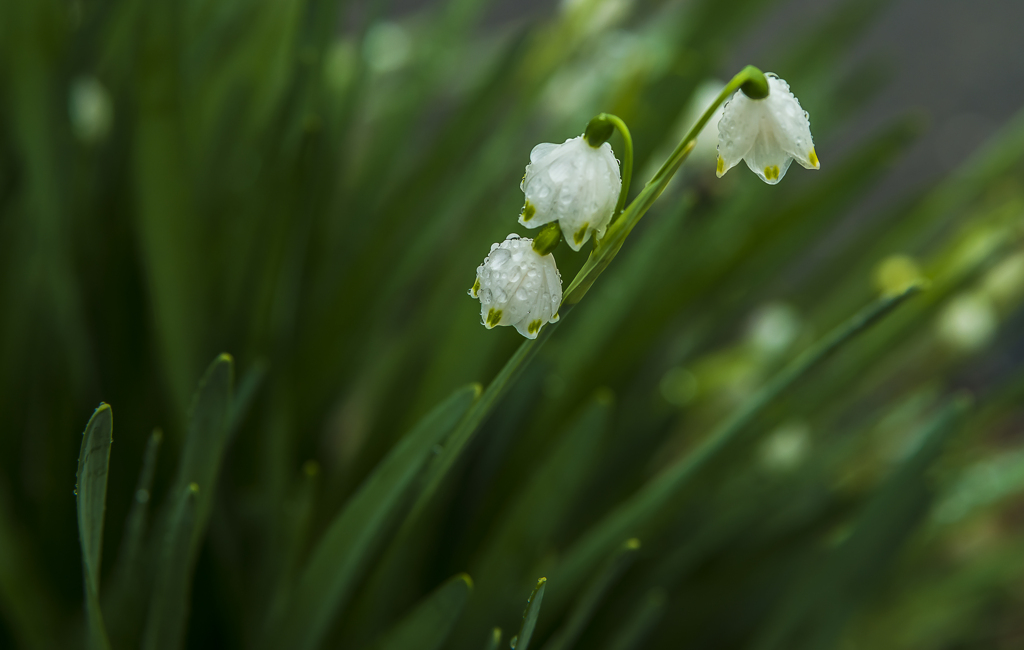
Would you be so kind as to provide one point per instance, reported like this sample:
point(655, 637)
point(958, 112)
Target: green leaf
point(592, 596)
point(641, 509)
point(193, 488)
point(207, 438)
point(165, 625)
point(91, 491)
point(428, 625)
point(820, 605)
point(521, 641)
point(541, 504)
point(346, 550)
point(125, 600)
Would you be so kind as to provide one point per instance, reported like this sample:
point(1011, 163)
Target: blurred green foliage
point(702, 455)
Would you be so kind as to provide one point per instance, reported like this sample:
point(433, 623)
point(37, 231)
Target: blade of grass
point(637, 513)
point(521, 641)
point(345, 551)
point(125, 602)
point(821, 604)
point(593, 594)
point(431, 621)
point(91, 492)
point(530, 521)
point(194, 485)
point(168, 613)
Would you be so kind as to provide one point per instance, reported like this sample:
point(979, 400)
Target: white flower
point(517, 286)
point(768, 134)
point(574, 184)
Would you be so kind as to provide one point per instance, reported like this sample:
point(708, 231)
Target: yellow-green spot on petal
point(534, 326)
point(771, 172)
point(528, 211)
point(813, 157)
point(581, 233)
point(493, 317)
point(476, 287)
point(721, 165)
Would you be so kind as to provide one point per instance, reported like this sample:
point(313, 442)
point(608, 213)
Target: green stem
point(751, 80)
point(604, 251)
point(747, 77)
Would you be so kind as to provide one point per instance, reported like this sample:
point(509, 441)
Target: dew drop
point(512, 642)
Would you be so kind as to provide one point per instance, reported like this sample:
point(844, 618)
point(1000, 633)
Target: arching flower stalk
point(767, 133)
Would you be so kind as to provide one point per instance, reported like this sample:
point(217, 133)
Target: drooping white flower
point(574, 184)
point(768, 134)
point(517, 286)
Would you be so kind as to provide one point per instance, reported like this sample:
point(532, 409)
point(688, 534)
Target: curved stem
point(748, 75)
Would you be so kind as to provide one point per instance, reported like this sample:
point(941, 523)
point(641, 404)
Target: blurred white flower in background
point(574, 184)
point(705, 94)
point(968, 322)
point(91, 110)
point(768, 134)
point(773, 328)
point(387, 47)
point(785, 447)
point(517, 286)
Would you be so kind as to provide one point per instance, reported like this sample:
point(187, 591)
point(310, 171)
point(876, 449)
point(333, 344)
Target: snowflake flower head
point(768, 134)
point(572, 183)
point(517, 286)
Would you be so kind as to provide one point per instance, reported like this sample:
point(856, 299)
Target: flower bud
point(768, 134)
point(572, 183)
point(517, 286)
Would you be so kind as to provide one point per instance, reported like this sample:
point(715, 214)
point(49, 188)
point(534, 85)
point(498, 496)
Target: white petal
point(792, 124)
point(516, 286)
point(766, 158)
point(737, 130)
point(541, 150)
point(574, 184)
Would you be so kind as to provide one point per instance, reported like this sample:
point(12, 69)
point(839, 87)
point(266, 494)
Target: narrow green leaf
point(207, 438)
point(91, 490)
point(428, 625)
point(168, 612)
point(125, 601)
point(525, 528)
point(592, 596)
point(521, 641)
point(346, 550)
point(820, 605)
point(641, 509)
point(195, 485)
